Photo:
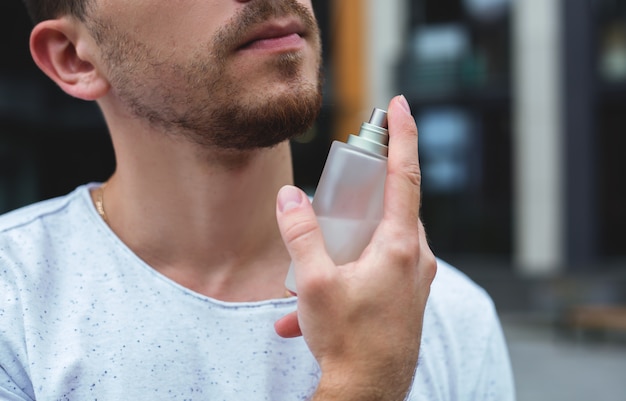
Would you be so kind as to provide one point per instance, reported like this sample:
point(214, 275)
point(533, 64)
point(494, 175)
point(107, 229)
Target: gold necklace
point(100, 202)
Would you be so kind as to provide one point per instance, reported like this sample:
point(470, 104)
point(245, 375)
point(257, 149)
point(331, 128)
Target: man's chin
point(262, 120)
point(276, 120)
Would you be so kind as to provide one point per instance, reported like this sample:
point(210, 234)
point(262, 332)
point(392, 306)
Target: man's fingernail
point(404, 103)
point(289, 197)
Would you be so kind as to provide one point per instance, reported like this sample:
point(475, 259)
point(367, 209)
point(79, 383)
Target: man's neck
point(205, 219)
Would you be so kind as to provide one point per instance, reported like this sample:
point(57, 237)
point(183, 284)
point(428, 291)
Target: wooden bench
point(599, 318)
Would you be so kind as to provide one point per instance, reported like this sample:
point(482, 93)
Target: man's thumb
point(300, 231)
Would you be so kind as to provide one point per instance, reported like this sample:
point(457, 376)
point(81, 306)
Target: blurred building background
point(521, 107)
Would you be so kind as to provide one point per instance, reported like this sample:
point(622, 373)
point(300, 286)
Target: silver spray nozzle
point(373, 136)
point(379, 118)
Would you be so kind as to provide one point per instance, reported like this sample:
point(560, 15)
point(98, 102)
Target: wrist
point(332, 390)
point(352, 384)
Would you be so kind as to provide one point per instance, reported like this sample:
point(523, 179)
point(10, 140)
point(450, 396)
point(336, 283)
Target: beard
point(202, 99)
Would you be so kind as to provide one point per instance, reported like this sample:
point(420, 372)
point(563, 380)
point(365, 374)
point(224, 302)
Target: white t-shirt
point(83, 318)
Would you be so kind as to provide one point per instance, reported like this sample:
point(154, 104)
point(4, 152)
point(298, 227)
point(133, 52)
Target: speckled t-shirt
point(83, 318)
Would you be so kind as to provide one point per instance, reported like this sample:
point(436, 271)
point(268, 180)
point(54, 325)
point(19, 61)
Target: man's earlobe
point(53, 45)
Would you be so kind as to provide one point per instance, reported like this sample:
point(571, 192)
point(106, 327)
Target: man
point(167, 281)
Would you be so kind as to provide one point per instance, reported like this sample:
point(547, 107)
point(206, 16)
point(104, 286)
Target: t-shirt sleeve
point(14, 380)
point(495, 377)
point(464, 355)
point(9, 390)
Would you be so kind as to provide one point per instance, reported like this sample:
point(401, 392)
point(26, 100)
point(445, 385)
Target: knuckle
point(413, 173)
point(316, 284)
point(428, 266)
point(408, 171)
point(409, 250)
point(299, 230)
point(404, 248)
point(427, 257)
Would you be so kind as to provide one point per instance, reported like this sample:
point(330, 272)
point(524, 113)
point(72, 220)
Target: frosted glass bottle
point(348, 200)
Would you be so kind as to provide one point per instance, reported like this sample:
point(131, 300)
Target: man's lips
point(274, 35)
point(291, 40)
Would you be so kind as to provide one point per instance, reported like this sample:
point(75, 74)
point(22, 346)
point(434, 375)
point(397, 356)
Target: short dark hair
point(41, 10)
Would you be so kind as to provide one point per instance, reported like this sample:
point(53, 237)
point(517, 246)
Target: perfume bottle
point(348, 201)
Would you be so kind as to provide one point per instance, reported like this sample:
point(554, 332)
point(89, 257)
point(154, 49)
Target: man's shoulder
point(455, 297)
point(463, 352)
point(25, 216)
point(451, 280)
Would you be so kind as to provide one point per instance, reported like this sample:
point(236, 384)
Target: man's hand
point(363, 321)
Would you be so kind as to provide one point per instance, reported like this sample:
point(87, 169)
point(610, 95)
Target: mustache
point(256, 12)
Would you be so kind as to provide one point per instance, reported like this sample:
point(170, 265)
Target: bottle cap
point(374, 135)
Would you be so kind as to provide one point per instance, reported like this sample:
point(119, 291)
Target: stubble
point(201, 99)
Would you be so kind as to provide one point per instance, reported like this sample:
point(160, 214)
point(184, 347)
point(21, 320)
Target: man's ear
point(65, 52)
